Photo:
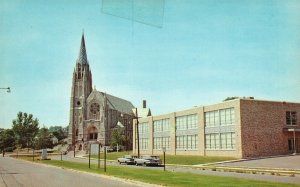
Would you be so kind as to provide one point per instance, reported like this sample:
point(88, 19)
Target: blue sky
point(205, 51)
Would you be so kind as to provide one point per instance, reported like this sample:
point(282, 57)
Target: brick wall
point(262, 124)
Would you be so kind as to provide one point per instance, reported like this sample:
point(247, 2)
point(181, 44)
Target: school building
point(241, 128)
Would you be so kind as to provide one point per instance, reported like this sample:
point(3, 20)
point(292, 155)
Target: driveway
point(284, 162)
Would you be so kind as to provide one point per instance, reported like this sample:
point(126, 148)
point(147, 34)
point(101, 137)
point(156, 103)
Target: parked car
point(147, 160)
point(109, 149)
point(127, 159)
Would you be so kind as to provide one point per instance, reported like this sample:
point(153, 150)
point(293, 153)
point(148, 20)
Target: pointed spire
point(82, 59)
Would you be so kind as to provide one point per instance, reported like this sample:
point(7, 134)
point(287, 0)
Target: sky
point(174, 54)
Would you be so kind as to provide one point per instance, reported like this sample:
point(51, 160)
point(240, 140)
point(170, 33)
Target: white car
point(127, 159)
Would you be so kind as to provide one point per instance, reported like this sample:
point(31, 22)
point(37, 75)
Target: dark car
point(147, 160)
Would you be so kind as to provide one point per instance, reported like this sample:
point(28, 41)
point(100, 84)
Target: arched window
point(94, 109)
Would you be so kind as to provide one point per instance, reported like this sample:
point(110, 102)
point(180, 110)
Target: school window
point(187, 142)
point(181, 123)
point(220, 141)
point(187, 122)
point(291, 118)
point(143, 143)
point(143, 128)
point(160, 142)
point(221, 117)
point(161, 125)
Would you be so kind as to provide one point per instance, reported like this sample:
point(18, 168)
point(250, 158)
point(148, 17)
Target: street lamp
point(8, 89)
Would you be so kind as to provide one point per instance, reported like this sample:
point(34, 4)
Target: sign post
point(104, 159)
point(164, 150)
point(90, 156)
point(99, 155)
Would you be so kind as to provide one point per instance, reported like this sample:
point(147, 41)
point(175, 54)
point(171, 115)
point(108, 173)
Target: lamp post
point(8, 89)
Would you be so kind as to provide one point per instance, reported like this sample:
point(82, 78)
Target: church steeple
point(82, 58)
point(81, 89)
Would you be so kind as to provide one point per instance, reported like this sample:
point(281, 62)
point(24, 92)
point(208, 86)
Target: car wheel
point(136, 163)
point(119, 162)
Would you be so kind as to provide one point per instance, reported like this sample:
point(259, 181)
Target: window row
point(187, 142)
point(220, 141)
point(187, 122)
point(221, 117)
point(161, 125)
point(160, 142)
point(217, 141)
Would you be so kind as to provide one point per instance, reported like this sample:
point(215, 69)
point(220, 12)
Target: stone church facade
point(94, 114)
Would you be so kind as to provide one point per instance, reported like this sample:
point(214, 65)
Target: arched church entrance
point(92, 133)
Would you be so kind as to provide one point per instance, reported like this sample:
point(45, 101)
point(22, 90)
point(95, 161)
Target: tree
point(117, 137)
point(59, 132)
point(25, 129)
point(43, 139)
point(7, 140)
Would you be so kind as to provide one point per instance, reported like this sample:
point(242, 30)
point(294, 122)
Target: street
point(16, 172)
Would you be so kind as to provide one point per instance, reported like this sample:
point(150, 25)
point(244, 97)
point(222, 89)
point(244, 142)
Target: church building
point(94, 114)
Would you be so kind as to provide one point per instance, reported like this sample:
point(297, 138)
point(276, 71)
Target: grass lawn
point(165, 178)
point(172, 159)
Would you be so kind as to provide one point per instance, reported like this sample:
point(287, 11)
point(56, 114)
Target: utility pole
point(137, 132)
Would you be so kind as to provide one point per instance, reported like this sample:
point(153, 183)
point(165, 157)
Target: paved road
point(15, 173)
point(271, 178)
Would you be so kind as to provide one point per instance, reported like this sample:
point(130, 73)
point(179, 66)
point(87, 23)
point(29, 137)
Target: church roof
point(119, 104)
point(82, 58)
point(113, 102)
